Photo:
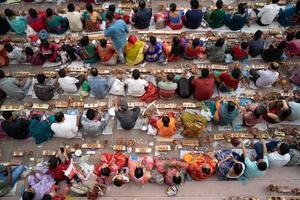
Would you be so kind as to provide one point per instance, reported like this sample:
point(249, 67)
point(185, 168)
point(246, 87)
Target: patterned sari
point(146, 163)
point(134, 53)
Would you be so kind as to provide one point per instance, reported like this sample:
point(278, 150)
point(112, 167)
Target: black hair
point(176, 49)
point(241, 8)
point(257, 35)
point(262, 166)
point(117, 182)
point(237, 167)
point(244, 45)
point(41, 78)
point(71, 7)
point(142, 4)
point(9, 12)
point(94, 71)
point(45, 43)
point(219, 4)
point(259, 111)
point(47, 197)
point(105, 171)
point(136, 74)
point(49, 12)
point(110, 16)
point(32, 13)
point(70, 51)
point(29, 51)
point(275, 1)
point(173, 7)
point(53, 162)
point(90, 114)
point(103, 43)
point(112, 8)
point(220, 42)
point(282, 45)
point(177, 180)
point(231, 106)
point(290, 36)
point(195, 42)
point(297, 35)
point(36, 117)
point(285, 113)
point(236, 73)
point(89, 7)
point(204, 73)
point(138, 172)
point(84, 41)
point(59, 116)
point(27, 195)
point(7, 114)
point(152, 40)
point(284, 148)
point(2, 74)
point(297, 8)
point(62, 73)
point(8, 47)
point(194, 4)
point(170, 76)
point(206, 170)
point(166, 121)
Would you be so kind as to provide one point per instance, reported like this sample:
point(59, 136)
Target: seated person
point(127, 118)
point(135, 85)
point(14, 88)
point(240, 52)
point(224, 112)
point(289, 15)
point(193, 123)
point(68, 53)
point(15, 53)
point(193, 17)
point(175, 17)
point(121, 178)
point(34, 58)
point(140, 168)
point(118, 87)
point(94, 124)
point(88, 51)
point(204, 85)
point(37, 185)
point(237, 20)
point(44, 88)
point(92, 19)
point(153, 50)
point(173, 170)
point(228, 81)
point(99, 86)
point(56, 23)
point(229, 167)
point(67, 83)
point(9, 177)
point(295, 111)
point(294, 156)
point(256, 45)
point(15, 127)
point(268, 13)
point(201, 165)
point(252, 114)
point(216, 18)
point(134, 51)
point(259, 166)
point(265, 78)
point(216, 51)
point(17, 23)
point(118, 13)
point(167, 88)
point(108, 55)
point(5, 27)
point(175, 51)
point(293, 46)
point(36, 20)
point(40, 129)
point(75, 19)
point(57, 167)
point(166, 126)
point(194, 50)
point(64, 126)
point(277, 111)
point(50, 51)
point(142, 17)
point(272, 53)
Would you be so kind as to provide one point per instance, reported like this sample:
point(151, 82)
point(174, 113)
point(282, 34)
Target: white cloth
point(295, 109)
point(68, 84)
point(268, 13)
point(17, 55)
point(67, 128)
point(136, 88)
point(277, 160)
point(117, 88)
point(267, 78)
point(75, 22)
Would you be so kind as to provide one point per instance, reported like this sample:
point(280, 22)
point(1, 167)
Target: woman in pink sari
point(140, 168)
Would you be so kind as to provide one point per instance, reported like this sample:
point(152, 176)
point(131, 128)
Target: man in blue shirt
point(117, 30)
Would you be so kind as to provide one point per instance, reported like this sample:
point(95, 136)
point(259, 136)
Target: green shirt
point(252, 169)
point(5, 188)
point(216, 18)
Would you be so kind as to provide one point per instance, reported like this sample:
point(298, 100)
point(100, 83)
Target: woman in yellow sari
point(134, 51)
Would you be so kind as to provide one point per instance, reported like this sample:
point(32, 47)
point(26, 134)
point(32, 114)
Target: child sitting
point(36, 58)
point(195, 50)
point(15, 53)
point(240, 52)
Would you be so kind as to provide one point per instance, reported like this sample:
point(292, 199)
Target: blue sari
point(285, 17)
point(41, 130)
point(153, 56)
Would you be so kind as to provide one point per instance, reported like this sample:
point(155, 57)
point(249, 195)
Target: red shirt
point(58, 173)
point(238, 53)
point(204, 88)
point(190, 51)
point(229, 81)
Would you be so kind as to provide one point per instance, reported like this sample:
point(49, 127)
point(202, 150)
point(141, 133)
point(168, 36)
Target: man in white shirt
point(280, 156)
point(265, 78)
point(268, 13)
point(66, 126)
point(135, 85)
point(67, 83)
point(74, 18)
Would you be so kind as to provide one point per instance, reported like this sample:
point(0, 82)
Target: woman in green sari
point(40, 129)
point(88, 51)
point(55, 23)
point(134, 51)
point(16, 23)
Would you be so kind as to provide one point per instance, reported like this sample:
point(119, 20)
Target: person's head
point(41, 78)
point(219, 4)
point(297, 35)
point(274, 66)
point(71, 7)
point(257, 35)
point(275, 1)
point(204, 73)
point(59, 117)
point(62, 73)
point(118, 182)
point(28, 195)
point(177, 179)
point(258, 111)
point(262, 165)
point(84, 41)
point(136, 74)
point(103, 43)
point(138, 172)
point(94, 72)
point(49, 12)
point(206, 170)
point(8, 12)
point(173, 7)
point(36, 117)
point(220, 42)
point(124, 105)
point(176, 47)
point(231, 106)
point(283, 115)
point(290, 36)
point(53, 162)
point(241, 8)
point(152, 40)
point(284, 148)
point(7, 115)
point(45, 43)
point(194, 4)
point(112, 8)
point(170, 76)
point(2, 74)
point(237, 168)
point(166, 120)
point(89, 7)
point(132, 39)
point(110, 17)
point(236, 73)
point(195, 42)
point(281, 46)
point(8, 47)
point(175, 41)
point(142, 4)
point(32, 13)
point(90, 114)
point(29, 51)
point(244, 45)
point(105, 171)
